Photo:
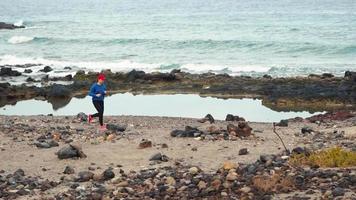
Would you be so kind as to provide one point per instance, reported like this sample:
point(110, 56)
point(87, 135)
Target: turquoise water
point(159, 105)
point(254, 37)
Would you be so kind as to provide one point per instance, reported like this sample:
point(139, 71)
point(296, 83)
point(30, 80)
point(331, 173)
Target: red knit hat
point(101, 77)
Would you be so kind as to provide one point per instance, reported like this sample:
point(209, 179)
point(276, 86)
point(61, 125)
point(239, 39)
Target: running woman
point(98, 92)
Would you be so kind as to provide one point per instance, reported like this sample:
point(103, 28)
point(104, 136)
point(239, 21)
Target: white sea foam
point(128, 65)
point(19, 23)
point(20, 39)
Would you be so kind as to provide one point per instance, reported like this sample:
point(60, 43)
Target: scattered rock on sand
point(68, 170)
point(145, 144)
point(70, 151)
point(85, 176)
point(159, 157)
point(243, 151)
point(306, 129)
point(116, 128)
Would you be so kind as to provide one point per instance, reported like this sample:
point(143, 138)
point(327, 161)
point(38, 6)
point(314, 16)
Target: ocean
point(238, 37)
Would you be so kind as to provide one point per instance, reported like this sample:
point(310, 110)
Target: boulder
point(6, 71)
point(70, 151)
point(350, 76)
point(82, 117)
point(46, 69)
point(282, 123)
point(207, 118)
point(231, 118)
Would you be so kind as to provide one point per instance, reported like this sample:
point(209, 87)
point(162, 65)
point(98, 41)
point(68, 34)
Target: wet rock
point(116, 128)
point(330, 116)
point(82, 117)
point(327, 75)
point(85, 176)
point(27, 71)
point(145, 144)
point(350, 75)
point(159, 157)
point(70, 151)
point(30, 79)
point(59, 91)
point(207, 118)
point(46, 69)
point(243, 151)
point(4, 25)
point(5, 71)
point(68, 170)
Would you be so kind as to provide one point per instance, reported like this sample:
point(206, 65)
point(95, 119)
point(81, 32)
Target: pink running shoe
point(103, 128)
point(90, 118)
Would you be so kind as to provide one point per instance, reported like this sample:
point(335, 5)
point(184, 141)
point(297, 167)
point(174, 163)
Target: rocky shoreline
point(313, 93)
point(51, 157)
point(4, 25)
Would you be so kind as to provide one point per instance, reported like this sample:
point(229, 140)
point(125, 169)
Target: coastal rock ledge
point(4, 25)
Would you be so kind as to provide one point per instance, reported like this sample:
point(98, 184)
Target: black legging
point(99, 105)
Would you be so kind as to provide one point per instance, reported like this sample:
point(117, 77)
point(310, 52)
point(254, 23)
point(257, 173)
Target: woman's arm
point(92, 91)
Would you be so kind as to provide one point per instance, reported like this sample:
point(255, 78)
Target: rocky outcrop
point(4, 25)
point(313, 93)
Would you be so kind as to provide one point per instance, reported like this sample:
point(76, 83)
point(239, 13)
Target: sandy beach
point(121, 150)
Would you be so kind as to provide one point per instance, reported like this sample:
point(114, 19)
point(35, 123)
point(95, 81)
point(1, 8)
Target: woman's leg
point(97, 107)
point(101, 113)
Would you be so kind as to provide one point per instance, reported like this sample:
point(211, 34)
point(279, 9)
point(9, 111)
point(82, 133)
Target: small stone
point(243, 151)
point(68, 170)
point(245, 189)
point(306, 129)
point(123, 184)
point(216, 184)
point(164, 146)
point(145, 144)
point(170, 181)
point(108, 174)
point(232, 176)
point(338, 192)
point(229, 165)
point(85, 176)
point(224, 194)
point(201, 185)
point(193, 170)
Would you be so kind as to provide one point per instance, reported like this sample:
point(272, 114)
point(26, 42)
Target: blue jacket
point(97, 89)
